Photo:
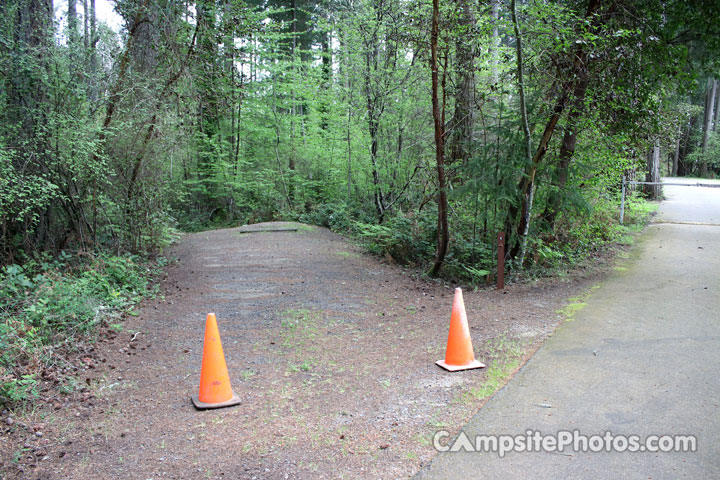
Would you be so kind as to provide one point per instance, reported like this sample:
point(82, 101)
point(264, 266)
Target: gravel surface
point(331, 351)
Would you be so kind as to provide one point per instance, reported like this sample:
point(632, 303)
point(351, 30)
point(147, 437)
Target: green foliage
point(338, 217)
point(581, 234)
point(15, 391)
point(638, 211)
point(710, 157)
point(22, 196)
point(257, 111)
point(406, 239)
point(46, 306)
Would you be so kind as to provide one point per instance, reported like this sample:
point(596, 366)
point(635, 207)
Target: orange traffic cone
point(459, 353)
point(215, 390)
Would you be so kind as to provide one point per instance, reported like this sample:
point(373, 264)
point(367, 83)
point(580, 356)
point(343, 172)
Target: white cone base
point(457, 368)
point(234, 400)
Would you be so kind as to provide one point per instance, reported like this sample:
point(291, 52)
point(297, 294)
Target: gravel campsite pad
point(331, 351)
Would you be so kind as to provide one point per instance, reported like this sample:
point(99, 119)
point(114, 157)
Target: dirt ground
point(331, 351)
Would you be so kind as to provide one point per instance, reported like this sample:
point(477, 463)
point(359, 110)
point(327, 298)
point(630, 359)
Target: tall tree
point(710, 94)
point(461, 125)
point(526, 132)
point(717, 107)
point(438, 111)
point(28, 33)
point(72, 26)
point(207, 79)
point(91, 18)
point(653, 171)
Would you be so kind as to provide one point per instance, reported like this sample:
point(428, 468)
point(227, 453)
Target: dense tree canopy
point(423, 127)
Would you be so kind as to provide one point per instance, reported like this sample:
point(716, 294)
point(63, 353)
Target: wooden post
point(501, 261)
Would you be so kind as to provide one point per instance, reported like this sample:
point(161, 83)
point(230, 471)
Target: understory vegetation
point(50, 311)
point(421, 129)
point(405, 238)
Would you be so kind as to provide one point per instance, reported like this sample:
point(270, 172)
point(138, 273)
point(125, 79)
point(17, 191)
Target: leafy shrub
point(410, 239)
point(578, 235)
point(17, 390)
point(404, 238)
point(48, 304)
point(329, 215)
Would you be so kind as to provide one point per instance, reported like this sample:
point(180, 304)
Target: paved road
point(642, 358)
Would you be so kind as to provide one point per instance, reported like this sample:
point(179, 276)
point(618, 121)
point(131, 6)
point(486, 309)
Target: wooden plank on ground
point(251, 229)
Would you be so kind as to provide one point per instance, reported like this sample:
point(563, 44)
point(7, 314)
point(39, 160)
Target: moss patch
point(575, 304)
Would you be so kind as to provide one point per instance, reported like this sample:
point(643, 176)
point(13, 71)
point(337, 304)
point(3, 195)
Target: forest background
point(421, 129)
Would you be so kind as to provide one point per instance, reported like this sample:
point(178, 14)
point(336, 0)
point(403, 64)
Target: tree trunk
point(26, 97)
point(375, 106)
point(348, 141)
point(527, 184)
point(463, 120)
point(676, 158)
point(377, 189)
point(717, 107)
point(293, 106)
point(653, 172)
point(93, 53)
point(150, 131)
point(344, 74)
point(443, 235)
point(26, 107)
point(526, 131)
point(567, 147)
point(208, 95)
point(495, 43)
point(326, 77)
point(73, 34)
point(707, 122)
point(230, 72)
point(86, 27)
point(145, 48)
point(684, 167)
